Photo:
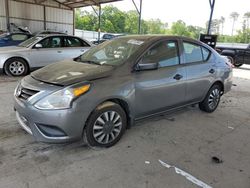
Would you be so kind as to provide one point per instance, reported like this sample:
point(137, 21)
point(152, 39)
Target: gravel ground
point(187, 139)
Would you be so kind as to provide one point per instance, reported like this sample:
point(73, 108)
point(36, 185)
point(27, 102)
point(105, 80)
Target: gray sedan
point(104, 91)
point(40, 51)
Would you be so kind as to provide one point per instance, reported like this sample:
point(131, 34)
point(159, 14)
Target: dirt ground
point(187, 139)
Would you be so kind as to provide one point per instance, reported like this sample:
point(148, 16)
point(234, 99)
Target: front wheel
point(105, 125)
point(212, 99)
point(16, 67)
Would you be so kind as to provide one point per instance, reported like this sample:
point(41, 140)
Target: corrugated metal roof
point(83, 3)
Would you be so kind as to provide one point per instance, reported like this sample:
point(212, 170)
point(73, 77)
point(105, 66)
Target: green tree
point(155, 26)
point(113, 20)
point(179, 28)
point(85, 20)
point(195, 31)
point(234, 16)
point(247, 18)
point(131, 22)
point(222, 21)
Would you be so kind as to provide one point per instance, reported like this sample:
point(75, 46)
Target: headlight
point(61, 99)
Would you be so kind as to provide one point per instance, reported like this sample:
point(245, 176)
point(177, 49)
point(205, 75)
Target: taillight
point(228, 61)
point(229, 64)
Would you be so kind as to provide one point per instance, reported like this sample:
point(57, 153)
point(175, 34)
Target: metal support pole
point(139, 26)
point(99, 23)
point(74, 22)
point(212, 3)
point(7, 15)
point(139, 13)
point(44, 18)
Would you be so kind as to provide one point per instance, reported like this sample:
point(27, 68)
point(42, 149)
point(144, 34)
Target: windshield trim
point(38, 39)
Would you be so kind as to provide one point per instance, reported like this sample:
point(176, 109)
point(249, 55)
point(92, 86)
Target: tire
point(212, 99)
point(232, 61)
point(16, 67)
point(105, 126)
point(237, 64)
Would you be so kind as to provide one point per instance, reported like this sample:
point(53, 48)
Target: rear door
point(200, 69)
point(163, 88)
point(74, 47)
point(50, 52)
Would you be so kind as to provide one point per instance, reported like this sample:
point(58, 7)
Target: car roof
point(17, 33)
point(151, 38)
point(62, 35)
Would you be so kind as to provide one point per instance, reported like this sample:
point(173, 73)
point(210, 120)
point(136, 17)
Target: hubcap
point(16, 68)
point(214, 98)
point(107, 127)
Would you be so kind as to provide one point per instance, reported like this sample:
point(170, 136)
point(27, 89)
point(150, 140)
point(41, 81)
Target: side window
point(72, 42)
point(19, 37)
point(51, 42)
point(206, 53)
point(164, 53)
point(192, 52)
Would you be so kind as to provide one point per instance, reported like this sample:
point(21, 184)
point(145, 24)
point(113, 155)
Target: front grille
point(26, 93)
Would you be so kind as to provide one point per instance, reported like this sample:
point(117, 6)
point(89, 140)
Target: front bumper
point(52, 126)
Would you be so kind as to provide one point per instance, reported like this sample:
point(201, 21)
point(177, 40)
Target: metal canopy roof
point(81, 3)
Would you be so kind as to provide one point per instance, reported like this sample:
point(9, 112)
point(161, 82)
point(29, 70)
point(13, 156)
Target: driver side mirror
point(38, 45)
point(146, 65)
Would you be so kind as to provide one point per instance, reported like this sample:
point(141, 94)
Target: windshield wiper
point(90, 62)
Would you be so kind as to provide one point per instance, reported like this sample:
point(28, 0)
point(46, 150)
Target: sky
point(192, 12)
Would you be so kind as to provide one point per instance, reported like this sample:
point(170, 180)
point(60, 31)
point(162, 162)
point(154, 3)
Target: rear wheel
point(16, 67)
point(237, 64)
point(233, 62)
point(212, 99)
point(106, 125)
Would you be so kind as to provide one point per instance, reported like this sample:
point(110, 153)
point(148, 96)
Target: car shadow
point(169, 115)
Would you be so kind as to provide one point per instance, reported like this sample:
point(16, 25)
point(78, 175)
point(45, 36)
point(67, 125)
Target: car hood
point(11, 49)
point(70, 72)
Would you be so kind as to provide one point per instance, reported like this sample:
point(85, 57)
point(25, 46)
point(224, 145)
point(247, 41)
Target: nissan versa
point(96, 96)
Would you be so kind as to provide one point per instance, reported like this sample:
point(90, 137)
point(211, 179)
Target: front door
point(50, 52)
point(163, 88)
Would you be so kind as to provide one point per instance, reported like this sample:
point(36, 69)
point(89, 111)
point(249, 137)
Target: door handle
point(211, 71)
point(59, 51)
point(82, 50)
point(178, 77)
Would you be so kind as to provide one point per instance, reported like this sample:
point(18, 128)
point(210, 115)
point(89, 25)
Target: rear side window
point(73, 42)
point(19, 37)
point(192, 52)
point(164, 53)
point(206, 53)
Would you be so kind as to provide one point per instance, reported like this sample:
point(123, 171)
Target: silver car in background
point(104, 91)
point(40, 51)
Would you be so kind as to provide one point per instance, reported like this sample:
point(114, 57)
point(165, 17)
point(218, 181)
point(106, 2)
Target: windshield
point(113, 52)
point(30, 42)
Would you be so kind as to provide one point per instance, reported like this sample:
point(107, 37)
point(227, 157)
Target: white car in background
point(40, 51)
